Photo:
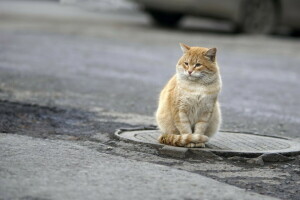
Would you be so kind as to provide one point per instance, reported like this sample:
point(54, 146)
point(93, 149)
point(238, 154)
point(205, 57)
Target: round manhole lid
point(224, 142)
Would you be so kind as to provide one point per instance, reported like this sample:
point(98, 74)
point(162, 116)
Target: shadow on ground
point(42, 121)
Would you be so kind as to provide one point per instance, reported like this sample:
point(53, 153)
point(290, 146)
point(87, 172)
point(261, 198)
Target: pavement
point(70, 76)
point(66, 170)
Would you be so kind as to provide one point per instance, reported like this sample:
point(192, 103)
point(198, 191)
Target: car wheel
point(165, 19)
point(258, 17)
point(295, 32)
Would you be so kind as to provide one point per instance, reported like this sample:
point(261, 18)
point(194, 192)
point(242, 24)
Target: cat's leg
point(214, 122)
point(202, 124)
point(201, 127)
point(182, 123)
point(208, 124)
point(206, 114)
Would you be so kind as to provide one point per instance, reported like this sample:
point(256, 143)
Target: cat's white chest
point(195, 103)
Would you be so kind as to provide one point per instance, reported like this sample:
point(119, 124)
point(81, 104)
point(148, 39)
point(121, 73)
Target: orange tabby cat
point(188, 112)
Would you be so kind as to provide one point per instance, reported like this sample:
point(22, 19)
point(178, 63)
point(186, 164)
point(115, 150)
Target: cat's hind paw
point(195, 145)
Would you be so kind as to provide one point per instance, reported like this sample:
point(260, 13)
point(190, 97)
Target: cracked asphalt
point(69, 74)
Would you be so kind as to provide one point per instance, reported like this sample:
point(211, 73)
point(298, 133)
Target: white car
point(250, 16)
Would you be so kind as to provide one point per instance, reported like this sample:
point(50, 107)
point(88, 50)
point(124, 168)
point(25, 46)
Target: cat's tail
point(181, 140)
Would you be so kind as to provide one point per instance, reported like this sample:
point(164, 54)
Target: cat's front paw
point(195, 145)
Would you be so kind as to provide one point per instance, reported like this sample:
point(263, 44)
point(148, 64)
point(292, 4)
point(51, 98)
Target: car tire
point(258, 17)
point(165, 19)
point(295, 32)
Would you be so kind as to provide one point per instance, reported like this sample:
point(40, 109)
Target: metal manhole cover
point(224, 142)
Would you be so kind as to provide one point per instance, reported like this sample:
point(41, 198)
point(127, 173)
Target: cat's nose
point(190, 72)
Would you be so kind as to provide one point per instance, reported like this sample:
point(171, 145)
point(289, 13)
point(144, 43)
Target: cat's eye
point(186, 63)
point(198, 65)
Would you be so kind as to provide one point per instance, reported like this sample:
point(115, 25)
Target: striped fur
point(188, 112)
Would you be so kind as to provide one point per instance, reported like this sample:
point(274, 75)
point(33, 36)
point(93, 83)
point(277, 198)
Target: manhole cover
point(224, 142)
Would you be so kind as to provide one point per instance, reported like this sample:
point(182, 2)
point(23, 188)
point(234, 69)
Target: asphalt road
point(119, 62)
point(81, 65)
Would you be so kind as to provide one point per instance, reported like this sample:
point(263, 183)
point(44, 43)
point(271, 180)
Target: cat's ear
point(211, 54)
point(184, 47)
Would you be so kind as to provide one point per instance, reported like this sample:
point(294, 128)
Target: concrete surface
point(64, 170)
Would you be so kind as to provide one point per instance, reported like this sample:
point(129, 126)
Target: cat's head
point(197, 63)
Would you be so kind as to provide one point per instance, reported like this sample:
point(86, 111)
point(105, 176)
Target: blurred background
point(116, 55)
